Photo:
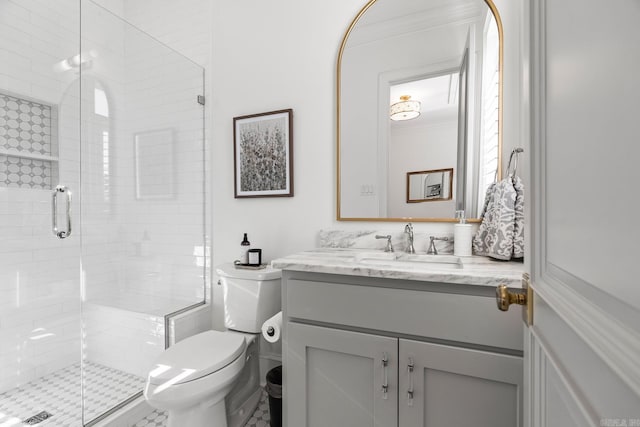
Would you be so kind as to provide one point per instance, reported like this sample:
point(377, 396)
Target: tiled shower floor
point(59, 395)
point(260, 417)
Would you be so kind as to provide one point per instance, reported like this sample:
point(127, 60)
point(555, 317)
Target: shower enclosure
point(102, 208)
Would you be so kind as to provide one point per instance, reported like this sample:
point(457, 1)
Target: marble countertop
point(475, 270)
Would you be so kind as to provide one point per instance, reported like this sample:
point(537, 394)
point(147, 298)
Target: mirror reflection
point(418, 90)
point(430, 186)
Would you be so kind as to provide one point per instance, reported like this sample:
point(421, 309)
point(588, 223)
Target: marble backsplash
point(365, 239)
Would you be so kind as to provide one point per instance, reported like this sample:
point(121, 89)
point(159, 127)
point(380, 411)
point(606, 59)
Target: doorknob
point(505, 297)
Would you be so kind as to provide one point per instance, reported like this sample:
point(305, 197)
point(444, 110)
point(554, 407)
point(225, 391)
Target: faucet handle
point(432, 244)
point(389, 247)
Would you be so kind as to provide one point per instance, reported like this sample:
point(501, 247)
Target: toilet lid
point(196, 356)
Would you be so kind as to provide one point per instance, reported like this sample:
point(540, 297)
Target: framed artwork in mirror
point(154, 167)
point(263, 154)
point(430, 186)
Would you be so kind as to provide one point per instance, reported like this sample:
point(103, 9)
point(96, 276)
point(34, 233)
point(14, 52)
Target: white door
point(583, 350)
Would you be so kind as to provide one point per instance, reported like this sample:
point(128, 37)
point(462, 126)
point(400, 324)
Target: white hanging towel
point(495, 237)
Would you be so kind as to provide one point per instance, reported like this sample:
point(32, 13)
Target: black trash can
point(274, 388)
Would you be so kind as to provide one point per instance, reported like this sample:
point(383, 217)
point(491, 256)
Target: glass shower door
point(40, 308)
point(143, 201)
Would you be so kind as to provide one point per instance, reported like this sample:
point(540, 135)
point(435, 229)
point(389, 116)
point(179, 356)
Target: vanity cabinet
point(364, 351)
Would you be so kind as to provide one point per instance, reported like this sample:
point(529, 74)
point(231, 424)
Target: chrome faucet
point(389, 247)
point(408, 229)
point(432, 244)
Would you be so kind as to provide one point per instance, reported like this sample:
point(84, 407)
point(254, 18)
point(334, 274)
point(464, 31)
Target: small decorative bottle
point(245, 245)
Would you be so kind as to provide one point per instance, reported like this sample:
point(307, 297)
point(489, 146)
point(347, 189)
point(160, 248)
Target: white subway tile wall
point(142, 241)
point(153, 244)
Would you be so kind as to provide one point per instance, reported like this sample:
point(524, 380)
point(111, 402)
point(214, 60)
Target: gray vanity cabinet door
point(335, 378)
point(455, 386)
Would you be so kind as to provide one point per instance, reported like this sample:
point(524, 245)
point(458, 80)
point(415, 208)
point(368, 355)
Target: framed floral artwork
point(263, 154)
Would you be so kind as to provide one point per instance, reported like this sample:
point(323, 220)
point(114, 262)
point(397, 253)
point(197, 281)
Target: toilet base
point(201, 415)
point(241, 415)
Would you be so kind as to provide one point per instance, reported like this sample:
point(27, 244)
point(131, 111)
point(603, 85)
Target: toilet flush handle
point(271, 331)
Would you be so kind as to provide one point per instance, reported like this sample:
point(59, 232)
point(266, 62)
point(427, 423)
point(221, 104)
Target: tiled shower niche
point(28, 142)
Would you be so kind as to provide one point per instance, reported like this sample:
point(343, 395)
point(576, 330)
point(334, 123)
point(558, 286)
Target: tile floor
point(56, 399)
point(59, 395)
point(260, 417)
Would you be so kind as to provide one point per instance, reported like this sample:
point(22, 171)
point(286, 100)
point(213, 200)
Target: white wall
point(269, 56)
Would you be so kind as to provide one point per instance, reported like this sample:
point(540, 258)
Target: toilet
point(213, 378)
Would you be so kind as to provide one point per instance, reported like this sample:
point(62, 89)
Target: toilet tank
point(250, 296)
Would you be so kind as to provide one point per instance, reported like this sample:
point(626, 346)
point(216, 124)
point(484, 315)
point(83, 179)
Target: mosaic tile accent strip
point(260, 417)
point(59, 394)
point(27, 130)
point(19, 172)
point(25, 126)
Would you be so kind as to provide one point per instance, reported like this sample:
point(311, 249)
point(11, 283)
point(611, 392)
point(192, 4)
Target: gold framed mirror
point(446, 57)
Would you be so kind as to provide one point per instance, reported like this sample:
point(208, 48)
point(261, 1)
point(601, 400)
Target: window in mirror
point(489, 136)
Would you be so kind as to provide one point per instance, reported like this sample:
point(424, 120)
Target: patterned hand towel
point(518, 230)
point(495, 236)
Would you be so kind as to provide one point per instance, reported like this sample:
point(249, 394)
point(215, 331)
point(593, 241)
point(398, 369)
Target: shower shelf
point(26, 155)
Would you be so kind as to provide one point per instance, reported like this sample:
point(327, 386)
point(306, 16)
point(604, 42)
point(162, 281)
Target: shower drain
point(37, 418)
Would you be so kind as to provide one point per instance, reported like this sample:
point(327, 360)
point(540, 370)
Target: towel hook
point(515, 153)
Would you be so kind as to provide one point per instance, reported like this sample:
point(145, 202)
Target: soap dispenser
point(462, 236)
point(244, 250)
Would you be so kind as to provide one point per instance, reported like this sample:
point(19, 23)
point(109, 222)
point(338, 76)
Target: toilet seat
point(196, 357)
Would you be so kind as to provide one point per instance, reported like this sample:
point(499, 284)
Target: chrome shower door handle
point(62, 234)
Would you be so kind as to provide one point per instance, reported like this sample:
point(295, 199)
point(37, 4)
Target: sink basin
point(384, 256)
point(351, 254)
point(392, 260)
point(331, 252)
point(438, 259)
point(383, 259)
